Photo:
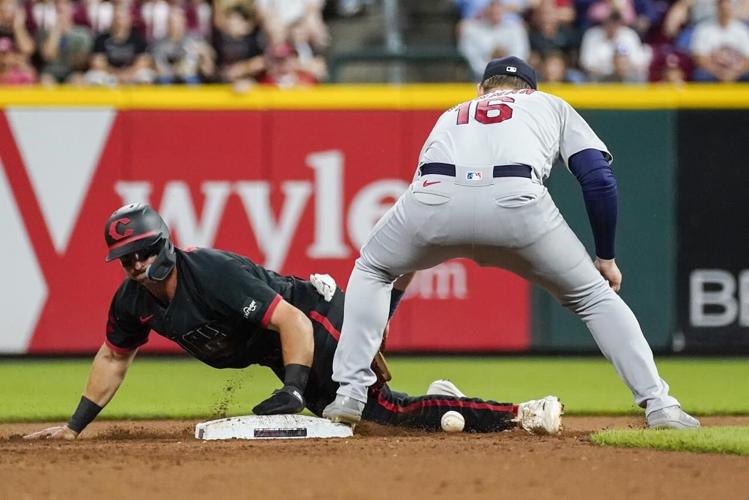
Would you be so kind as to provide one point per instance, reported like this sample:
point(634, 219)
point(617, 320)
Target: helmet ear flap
point(164, 263)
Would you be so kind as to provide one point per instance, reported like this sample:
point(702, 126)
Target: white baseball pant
point(511, 223)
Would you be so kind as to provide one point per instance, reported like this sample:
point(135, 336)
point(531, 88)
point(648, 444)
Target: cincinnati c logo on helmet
point(115, 234)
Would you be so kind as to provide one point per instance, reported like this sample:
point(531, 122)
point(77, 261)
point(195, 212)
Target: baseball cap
point(513, 66)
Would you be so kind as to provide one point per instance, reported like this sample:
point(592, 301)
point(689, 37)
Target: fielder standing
point(478, 193)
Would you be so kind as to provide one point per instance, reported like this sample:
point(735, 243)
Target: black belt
point(499, 170)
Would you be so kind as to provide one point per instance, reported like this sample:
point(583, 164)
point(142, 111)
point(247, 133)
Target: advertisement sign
point(297, 191)
point(713, 268)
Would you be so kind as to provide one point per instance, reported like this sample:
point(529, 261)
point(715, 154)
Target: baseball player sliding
point(478, 193)
point(231, 313)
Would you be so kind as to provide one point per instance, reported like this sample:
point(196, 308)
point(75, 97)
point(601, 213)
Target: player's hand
point(284, 401)
point(57, 432)
point(610, 272)
point(324, 284)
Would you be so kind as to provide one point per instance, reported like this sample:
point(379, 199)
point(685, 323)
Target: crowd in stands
point(580, 41)
point(111, 42)
point(284, 42)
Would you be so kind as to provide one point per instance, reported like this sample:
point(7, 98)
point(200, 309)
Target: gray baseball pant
point(511, 223)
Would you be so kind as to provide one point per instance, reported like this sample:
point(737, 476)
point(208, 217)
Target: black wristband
point(297, 376)
point(87, 411)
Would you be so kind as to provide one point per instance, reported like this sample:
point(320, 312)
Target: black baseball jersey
point(220, 310)
point(220, 314)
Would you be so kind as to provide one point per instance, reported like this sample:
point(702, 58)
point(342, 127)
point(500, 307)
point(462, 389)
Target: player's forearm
point(297, 341)
point(107, 373)
point(298, 348)
point(601, 197)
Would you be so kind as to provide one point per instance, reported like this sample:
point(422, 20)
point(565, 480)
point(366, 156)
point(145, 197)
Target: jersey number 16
point(503, 111)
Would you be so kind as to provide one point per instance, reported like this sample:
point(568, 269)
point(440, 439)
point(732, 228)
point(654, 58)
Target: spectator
point(721, 47)
point(670, 66)
point(470, 8)
point(199, 18)
point(13, 27)
point(65, 48)
point(596, 12)
point(641, 15)
point(553, 68)
point(684, 15)
point(310, 58)
point(565, 10)
point(514, 9)
point(96, 14)
point(283, 69)
point(120, 54)
point(181, 57)
point(614, 52)
point(40, 15)
point(99, 15)
point(490, 36)
point(239, 46)
point(14, 65)
point(278, 16)
point(549, 34)
point(155, 15)
point(673, 71)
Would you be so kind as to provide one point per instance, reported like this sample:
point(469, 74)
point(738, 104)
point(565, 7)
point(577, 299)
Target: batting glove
point(283, 401)
point(324, 284)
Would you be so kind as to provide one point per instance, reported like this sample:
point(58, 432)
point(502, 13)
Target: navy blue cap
point(513, 66)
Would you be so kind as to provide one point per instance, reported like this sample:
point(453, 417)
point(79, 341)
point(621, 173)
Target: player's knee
point(585, 300)
point(364, 264)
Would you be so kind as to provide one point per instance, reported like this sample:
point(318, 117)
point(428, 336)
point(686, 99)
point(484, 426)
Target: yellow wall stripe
point(357, 97)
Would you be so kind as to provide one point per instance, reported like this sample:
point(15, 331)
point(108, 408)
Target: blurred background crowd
point(303, 42)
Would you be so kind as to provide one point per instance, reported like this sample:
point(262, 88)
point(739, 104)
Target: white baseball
point(452, 421)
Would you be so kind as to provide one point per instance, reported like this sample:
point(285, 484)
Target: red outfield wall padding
point(295, 190)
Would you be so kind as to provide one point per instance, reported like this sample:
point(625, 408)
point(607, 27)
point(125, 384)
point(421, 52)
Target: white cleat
point(444, 387)
point(672, 417)
point(344, 410)
point(541, 416)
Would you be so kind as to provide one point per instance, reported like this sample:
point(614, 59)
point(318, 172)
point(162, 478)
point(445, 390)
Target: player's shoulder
point(553, 101)
point(540, 95)
point(212, 262)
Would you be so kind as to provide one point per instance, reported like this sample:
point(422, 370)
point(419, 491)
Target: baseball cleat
point(444, 387)
point(541, 416)
point(672, 417)
point(344, 410)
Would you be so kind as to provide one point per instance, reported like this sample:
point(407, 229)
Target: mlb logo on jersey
point(473, 176)
point(511, 69)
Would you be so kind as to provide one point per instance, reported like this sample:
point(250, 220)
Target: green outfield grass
point(732, 440)
point(184, 388)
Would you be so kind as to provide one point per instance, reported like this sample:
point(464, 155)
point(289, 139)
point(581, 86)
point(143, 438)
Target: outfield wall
point(295, 180)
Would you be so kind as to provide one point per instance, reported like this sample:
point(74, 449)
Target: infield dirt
point(161, 459)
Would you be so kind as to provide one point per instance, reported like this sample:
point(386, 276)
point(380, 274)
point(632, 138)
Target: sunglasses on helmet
point(140, 255)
